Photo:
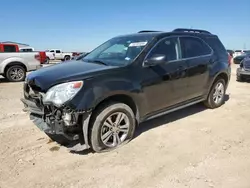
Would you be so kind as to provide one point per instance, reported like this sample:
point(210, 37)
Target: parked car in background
point(8, 47)
point(100, 99)
point(80, 56)
point(243, 72)
point(239, 58)
point(15, 65)
point(240, 52)
point(60, 55)
point(50, 55)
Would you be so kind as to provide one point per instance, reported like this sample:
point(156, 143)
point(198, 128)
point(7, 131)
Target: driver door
point(165, 84)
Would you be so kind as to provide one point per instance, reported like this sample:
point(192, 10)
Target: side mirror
point(155, 60)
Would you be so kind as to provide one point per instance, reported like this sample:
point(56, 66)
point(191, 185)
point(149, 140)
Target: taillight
point(229, 60)
point(42, 57)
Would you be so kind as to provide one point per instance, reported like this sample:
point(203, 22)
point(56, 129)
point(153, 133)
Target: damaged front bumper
point(66, 122)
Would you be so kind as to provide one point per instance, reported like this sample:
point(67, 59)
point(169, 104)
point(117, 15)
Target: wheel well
point(47, 57)
point(123, 99)
point(12, 64)
point(223, 76)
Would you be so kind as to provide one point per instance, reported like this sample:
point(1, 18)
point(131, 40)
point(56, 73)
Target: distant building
point(20, 45)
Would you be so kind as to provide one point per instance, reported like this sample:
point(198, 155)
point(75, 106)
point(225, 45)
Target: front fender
point(93, 94)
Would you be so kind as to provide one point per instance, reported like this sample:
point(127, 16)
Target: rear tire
point(66, 58)
point(15, 73)
point(112, 126)
point(216, 95)
point(47, 60)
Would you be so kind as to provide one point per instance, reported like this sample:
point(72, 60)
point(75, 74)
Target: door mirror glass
point(155, 60)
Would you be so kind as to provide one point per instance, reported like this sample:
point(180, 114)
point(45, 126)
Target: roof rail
point(191, 30)
point(147, 31)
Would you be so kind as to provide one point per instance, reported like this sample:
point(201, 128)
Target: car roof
point(182, 31)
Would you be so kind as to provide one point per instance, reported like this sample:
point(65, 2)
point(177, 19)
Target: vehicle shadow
point(3, 80)
point(154, 123)
point(171, 117)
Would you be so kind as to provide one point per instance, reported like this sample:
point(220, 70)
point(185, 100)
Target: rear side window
point(193, 47)
point(9, 48)
point(219, 49)
point(167, 47)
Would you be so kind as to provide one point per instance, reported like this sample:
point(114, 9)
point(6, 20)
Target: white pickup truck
point(59, 54)
point(15, 65)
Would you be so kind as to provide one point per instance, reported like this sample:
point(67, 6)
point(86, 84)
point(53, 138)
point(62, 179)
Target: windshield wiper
point(97, 61)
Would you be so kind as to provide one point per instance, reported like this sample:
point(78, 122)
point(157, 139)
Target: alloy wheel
point(17, 74)
point(218, 93)
point(115, 129)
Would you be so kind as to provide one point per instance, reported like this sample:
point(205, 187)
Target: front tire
point(239, 78)
point(15, 73)
point(112, 126)
point(216, 95)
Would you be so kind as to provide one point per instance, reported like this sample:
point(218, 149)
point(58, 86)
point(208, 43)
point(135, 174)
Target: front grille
point(246, 65)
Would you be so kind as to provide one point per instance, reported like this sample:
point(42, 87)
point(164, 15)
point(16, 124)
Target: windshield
point(119, 51)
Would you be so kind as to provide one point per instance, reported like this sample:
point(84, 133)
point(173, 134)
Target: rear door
point(198, 56)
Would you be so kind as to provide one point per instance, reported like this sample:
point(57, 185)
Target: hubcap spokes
point(16, 74)
point(115, 129)
point(218, 93)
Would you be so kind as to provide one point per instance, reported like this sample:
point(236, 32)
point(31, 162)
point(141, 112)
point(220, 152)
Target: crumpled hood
point(46, 77)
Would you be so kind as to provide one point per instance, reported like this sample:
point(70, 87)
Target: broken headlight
point(61, 93)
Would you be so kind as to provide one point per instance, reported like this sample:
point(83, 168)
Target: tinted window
point(167, 47)
point(9, 48)
point(26, 50)
point(193, 47)
point(58, 51)
point(218, 47)
point(51, 50)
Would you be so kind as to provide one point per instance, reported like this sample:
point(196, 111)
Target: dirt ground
point(194, 147)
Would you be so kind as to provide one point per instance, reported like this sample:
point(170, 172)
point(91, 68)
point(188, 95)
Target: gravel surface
point(194, 147)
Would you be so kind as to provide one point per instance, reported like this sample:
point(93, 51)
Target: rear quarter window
point(218, 48)
point(9, 48)
point(194, 47)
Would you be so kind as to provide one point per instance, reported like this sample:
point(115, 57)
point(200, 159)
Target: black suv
point(129, 79)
